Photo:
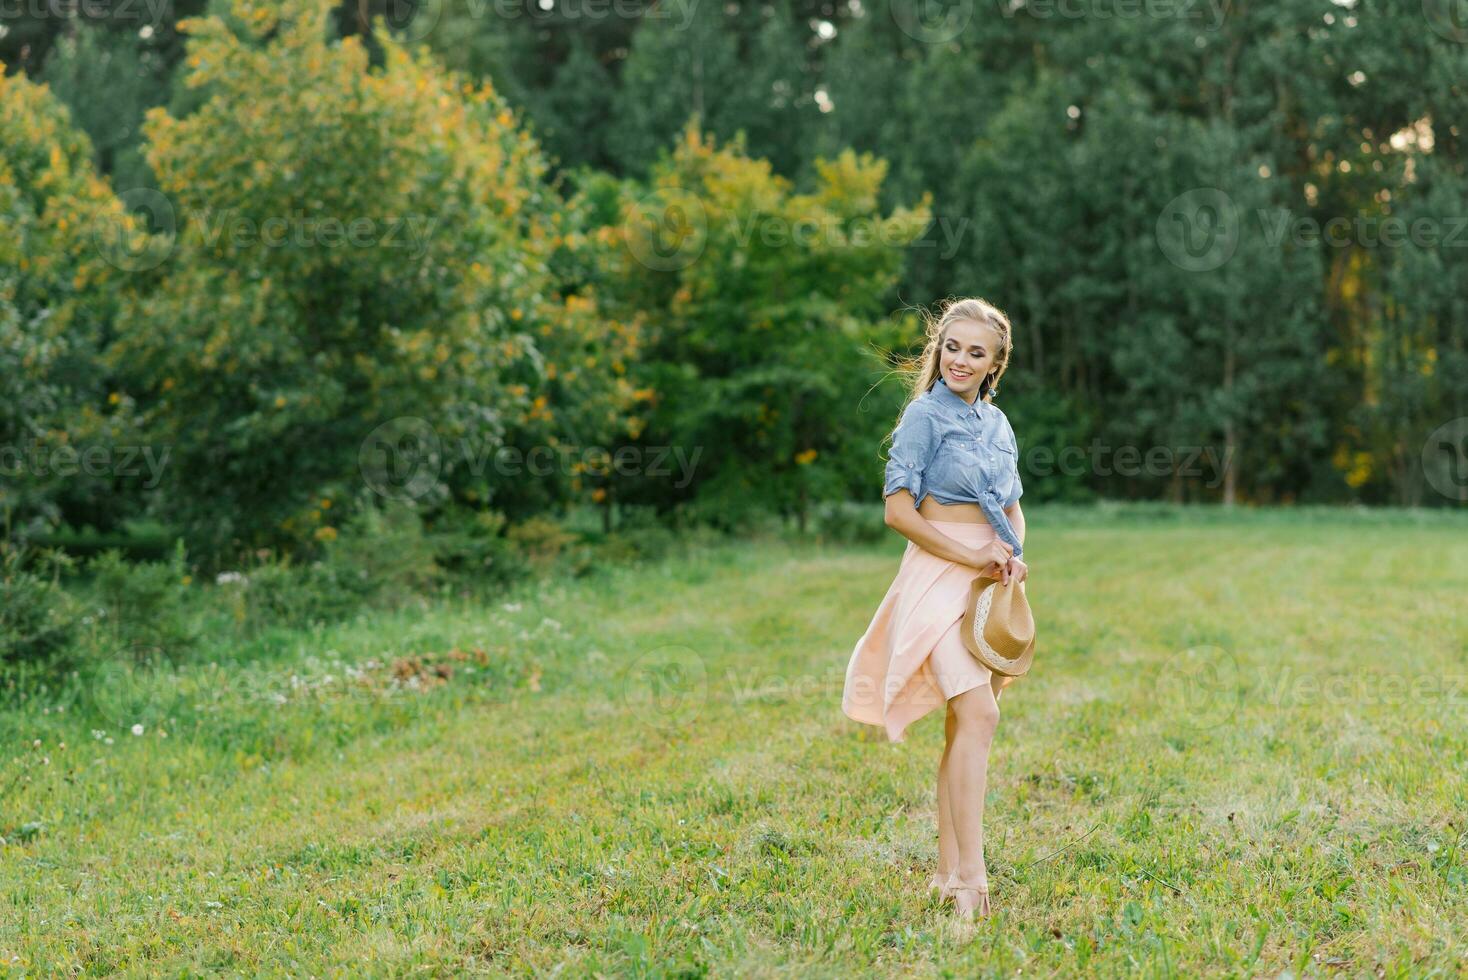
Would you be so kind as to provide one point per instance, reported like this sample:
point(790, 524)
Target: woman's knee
point(974, 712)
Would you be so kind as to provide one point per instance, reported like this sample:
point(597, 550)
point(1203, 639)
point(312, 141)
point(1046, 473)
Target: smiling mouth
point(960, 375)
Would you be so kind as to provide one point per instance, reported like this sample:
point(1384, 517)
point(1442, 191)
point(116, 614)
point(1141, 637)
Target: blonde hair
point(923, 370)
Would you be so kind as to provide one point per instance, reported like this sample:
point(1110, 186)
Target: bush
point(382, 553)
point(615, 550)
point(138, 540)
point(37, 617)
point(277, 592)
point(849, 523)
point(472, 544)
point(545, 544)
point(140, 606)
point(645, 534)
point(143, 605)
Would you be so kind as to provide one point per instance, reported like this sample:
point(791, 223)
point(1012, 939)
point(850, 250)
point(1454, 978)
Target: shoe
point(964, 905)
point(939, 883)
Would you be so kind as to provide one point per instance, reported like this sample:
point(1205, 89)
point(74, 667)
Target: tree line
point(262, 235)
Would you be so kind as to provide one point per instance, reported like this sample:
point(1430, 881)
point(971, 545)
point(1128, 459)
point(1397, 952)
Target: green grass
point(1242, 751)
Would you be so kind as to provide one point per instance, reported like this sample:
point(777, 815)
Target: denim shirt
point(960, 454)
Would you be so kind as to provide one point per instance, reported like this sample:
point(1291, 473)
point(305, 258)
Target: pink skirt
point(912, 658)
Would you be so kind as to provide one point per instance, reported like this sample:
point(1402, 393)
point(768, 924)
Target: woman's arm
point(902, 516)
point(1017, 518)
point(913, 445)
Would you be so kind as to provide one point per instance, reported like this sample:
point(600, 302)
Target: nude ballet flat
point(963, 906)
point(939, 883)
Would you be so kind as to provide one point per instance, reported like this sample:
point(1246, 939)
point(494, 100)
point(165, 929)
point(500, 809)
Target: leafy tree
point(58, 299)
point(356, 248)
point(759, 304)
point(102, 75)
point(738, 70)
point(1417, 325)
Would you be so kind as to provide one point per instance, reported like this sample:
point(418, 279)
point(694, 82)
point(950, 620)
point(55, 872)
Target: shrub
point(615, 550)
point(143, 605)
point(37, 618)
point(849, 523)
point(382, 553)
point(472, 543)
point(647, 535)
point(277, 592)
point(544, 543)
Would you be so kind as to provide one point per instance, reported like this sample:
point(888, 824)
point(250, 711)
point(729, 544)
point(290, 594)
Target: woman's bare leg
point(976, 713)
point(947, 841)
point(947, 838)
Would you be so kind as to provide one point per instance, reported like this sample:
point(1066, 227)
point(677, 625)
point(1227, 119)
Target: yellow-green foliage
point(353, 244)
point(57, 293)
point(53, 206)
point(760, 306)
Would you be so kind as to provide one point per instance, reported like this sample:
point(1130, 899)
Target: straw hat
point(998, 628)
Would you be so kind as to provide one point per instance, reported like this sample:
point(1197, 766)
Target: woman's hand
point(1016, 569)
point(991, 558)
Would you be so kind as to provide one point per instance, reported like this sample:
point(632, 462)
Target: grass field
point(1243, 751)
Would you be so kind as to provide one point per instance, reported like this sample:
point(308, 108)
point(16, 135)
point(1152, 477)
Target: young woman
point(952, 489)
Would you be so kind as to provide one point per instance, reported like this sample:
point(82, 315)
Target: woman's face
point(967, 355)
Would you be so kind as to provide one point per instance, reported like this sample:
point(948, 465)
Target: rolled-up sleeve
point(1018, 492)
point(912, 448)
